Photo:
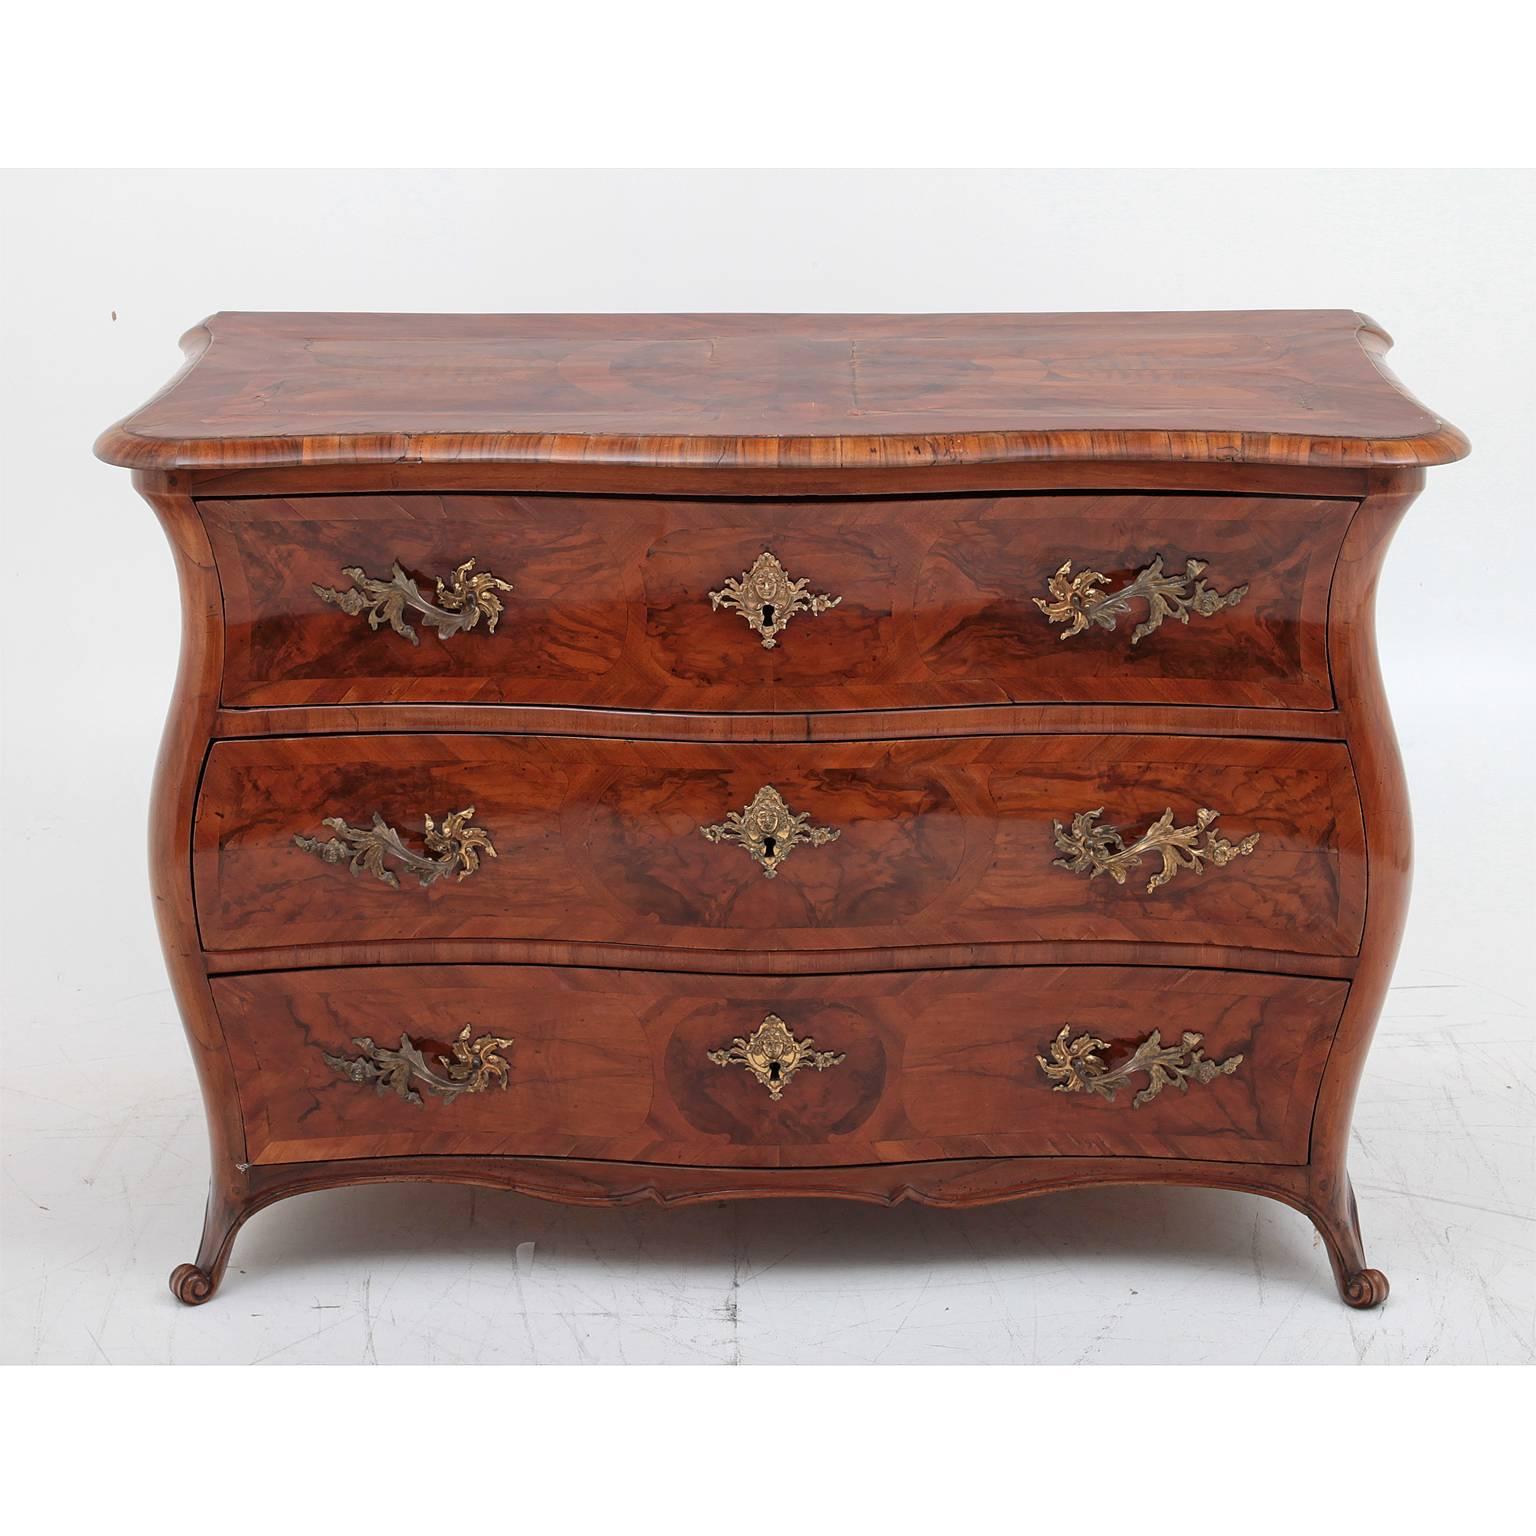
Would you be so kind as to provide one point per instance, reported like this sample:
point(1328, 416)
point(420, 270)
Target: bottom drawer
point(643, 1066)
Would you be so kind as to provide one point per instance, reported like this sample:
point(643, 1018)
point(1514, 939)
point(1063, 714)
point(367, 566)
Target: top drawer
point(647, 603)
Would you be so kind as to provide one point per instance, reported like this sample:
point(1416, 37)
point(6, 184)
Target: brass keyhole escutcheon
point(773, 1055)
point(769, 831)
point(768, 598)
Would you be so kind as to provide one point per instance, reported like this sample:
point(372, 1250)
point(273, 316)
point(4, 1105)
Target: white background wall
point(102, 1128)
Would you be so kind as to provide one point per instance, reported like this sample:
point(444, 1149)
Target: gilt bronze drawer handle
point(1093, 850)
point(1081, 600)
point(472, 1068)
point(773, 1055)
point(769, 831)
point(461, 604)
point(767, 599)
point(1076, 1067)
point(456, 848)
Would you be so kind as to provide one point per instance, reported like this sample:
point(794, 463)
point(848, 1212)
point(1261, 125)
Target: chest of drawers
point(680, 757)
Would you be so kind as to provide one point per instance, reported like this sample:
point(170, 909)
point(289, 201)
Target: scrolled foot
point(193, 1286)
point(1365, 1288)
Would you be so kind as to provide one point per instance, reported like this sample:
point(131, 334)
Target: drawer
point(325, 840)
point(645, 1066)
point(642, 603)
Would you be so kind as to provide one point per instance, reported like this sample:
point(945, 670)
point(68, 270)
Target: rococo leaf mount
point(457, 847)
point(1094, 850)
point(461, 602)
point(471, 1067)
point(1076, 1066)
point(1080, 600)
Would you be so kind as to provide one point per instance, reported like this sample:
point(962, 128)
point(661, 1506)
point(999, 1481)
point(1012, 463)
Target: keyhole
point(767, 615)
point(773, 1071)
point(768, 847)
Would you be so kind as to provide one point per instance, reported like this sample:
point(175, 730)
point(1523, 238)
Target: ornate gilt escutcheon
point(769, 831)
point(1076, 1067)
point(768, 599)
point(455, 848)
point(461, 603)
point(1080, 600)
point(1093, 850)
point(773, 1055)
point(472, 1067)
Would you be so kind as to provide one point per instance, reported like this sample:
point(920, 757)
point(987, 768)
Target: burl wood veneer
point(938, 842)
point(680, 757)
point(609, 602)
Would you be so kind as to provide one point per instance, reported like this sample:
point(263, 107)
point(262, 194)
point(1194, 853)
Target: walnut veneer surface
point(675, 757)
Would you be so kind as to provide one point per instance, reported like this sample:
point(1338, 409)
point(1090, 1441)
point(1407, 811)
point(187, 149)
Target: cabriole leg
point(1335, 1216)
point(194, 1283)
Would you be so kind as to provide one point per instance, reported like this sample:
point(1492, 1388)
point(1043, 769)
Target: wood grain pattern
point(613, 1065)
point(610, 602)
point(784, 726)
point(777, 392)
point(415, 476)
point(777, 962)
point(946, 842)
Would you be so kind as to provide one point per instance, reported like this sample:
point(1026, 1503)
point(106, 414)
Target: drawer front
point(652, 1067)
point(636, 603)
point(324, 840)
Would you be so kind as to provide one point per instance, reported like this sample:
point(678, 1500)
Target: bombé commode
point(675, 757)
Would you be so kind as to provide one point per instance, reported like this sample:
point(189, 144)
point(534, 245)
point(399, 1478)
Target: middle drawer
point(1160, 839)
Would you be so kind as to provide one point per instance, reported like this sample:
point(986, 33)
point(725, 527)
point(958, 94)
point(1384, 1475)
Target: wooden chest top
point(1276, 387)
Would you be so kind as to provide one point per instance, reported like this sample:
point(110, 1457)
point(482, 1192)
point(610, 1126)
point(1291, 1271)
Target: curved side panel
point(178, 770)
point(1378, 768)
